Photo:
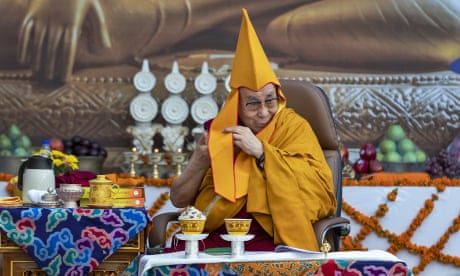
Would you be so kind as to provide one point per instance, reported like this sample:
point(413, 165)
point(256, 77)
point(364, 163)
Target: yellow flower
point(64, 162)
point(58, 162)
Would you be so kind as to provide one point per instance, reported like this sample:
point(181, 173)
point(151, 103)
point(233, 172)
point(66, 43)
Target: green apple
point(420, 156)
point(380, 156)
point(5, 142)
point(396, 133)
point(21, 152)
point(409, 157)
point(14, 132)
point(23, 142)
point(406, 145)
point(392, 156)
point(5, 152)
point(387, 146)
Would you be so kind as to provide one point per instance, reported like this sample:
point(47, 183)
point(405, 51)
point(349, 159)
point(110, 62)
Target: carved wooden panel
point(20, 264)
point(429, 110)
point(17, 262)
point(430, 115)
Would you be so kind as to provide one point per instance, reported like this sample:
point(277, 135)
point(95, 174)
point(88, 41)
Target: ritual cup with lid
point(101, 191)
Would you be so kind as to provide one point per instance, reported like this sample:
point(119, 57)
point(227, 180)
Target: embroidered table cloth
point(66, 241)
point(352, 263)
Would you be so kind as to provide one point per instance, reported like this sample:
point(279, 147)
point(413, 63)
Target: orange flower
point(392, 195)
point(160, 182)
point(160, 202)
point(6, 176)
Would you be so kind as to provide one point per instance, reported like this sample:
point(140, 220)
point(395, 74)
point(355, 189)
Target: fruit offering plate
point(403, 167)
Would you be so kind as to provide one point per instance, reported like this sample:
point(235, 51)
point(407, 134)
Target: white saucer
point(196, 237)
point(231, 238)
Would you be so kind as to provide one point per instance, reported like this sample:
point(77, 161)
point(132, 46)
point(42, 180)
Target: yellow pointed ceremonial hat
point(251, 69)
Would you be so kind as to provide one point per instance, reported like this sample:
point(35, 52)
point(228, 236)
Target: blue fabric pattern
point(64, 241)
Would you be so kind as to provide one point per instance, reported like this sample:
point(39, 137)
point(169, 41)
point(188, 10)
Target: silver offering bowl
point(70, 195)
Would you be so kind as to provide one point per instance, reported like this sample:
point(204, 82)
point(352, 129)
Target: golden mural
point(67, 69)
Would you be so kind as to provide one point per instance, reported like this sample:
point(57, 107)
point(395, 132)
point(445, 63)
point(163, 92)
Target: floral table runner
point(65, 241)
point(291, 262)
point(300, 267)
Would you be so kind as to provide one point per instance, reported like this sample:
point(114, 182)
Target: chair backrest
point(312, 103)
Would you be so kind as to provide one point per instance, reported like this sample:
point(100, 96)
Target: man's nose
point(263, 110)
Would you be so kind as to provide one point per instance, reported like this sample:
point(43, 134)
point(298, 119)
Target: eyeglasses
point(256, 105)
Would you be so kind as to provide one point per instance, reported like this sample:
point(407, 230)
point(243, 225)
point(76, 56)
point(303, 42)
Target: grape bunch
point(443, 164)
point(82, 146)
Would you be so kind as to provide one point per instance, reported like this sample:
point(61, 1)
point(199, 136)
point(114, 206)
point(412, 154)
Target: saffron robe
point(294, 189)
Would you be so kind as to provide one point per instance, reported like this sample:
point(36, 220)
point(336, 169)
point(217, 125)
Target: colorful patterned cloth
point(71, 241)
point(310, 267)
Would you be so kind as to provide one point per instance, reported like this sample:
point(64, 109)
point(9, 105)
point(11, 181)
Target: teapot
point(35, 173)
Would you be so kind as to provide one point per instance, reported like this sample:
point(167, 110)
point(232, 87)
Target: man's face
point(257, 108)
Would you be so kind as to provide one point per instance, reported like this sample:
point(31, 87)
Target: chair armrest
point(157, 235)
point(323, 226)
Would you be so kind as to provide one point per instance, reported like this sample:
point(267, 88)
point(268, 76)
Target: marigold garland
point(160, 182)
point(172, 230)
point(397, 242)
point(6, 176)
point(11, 179)
point(160, 202)
point(440, 183)
point(156, 206)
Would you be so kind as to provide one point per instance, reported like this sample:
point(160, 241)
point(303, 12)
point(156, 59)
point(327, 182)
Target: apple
point(361, 166)
point(396, 133)
point(368, 152)
point(387, 146)
point(14, 131)
point(5, 142)
point(375, 166)
point(20, 152)
point(379, 156)
point(56, 144)
point(420, 156)
point(409, 157)
point(393, 156)
point(406, 145)
point(5, 152)
point(345, 153)
point(23, 142)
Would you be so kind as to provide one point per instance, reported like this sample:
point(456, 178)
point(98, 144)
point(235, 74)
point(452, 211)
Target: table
point(64, 240)
point(401, 213)
point(356, 263)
